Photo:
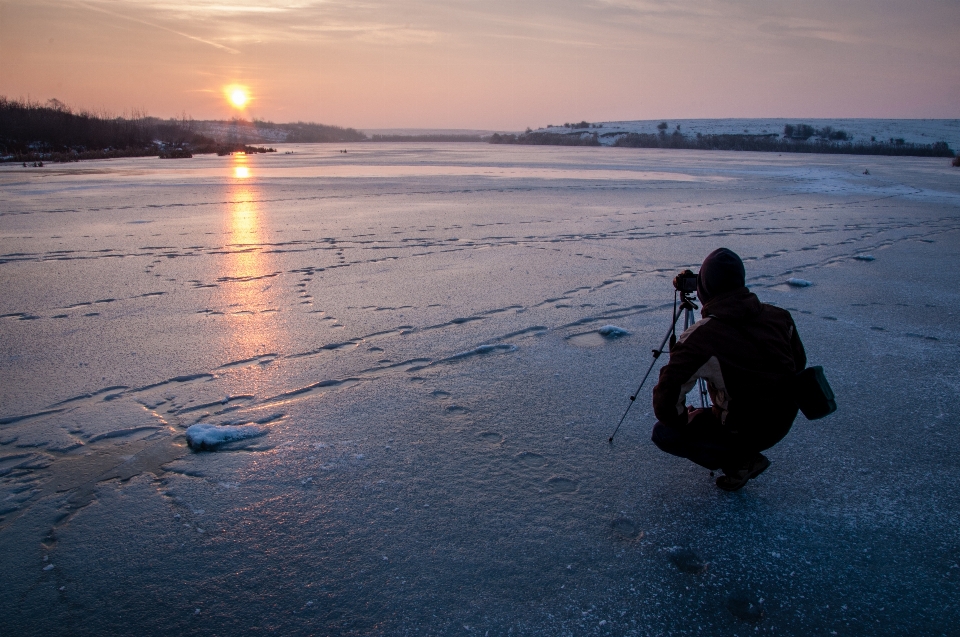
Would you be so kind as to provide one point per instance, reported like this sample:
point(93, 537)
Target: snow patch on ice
point(799, 283)
point(612, 331)
point(203, 437)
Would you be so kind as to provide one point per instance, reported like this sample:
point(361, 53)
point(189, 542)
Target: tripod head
point(685, 284)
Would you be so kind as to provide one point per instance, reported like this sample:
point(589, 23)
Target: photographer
point(748, 353)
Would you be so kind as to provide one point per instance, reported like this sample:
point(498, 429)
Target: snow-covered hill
point(912, 131)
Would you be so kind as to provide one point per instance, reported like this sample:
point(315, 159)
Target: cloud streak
point(158, 26)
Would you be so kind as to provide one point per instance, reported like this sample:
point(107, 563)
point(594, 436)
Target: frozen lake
point(412, 334)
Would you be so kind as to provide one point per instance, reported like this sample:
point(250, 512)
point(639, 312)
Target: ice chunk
point(202, 437)
point(799, 283)
point(612, 331)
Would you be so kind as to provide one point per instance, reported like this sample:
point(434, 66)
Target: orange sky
point(487, 64)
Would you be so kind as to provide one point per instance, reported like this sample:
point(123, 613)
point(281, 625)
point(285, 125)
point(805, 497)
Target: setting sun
point(238, 96)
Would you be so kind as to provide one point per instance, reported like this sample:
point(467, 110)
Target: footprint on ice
point(612, 331)
point(210, 437)
point(745, 607)
point(557, 484)
point(687, 561)
point(530, 459)
point(598, 337)
point(625, 527)
point(491, 437)
point(457, 410)
point(865, 257)
point(440, 394)
point(799, 283)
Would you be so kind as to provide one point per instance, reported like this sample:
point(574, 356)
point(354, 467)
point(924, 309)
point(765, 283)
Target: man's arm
point(668, 400)
point(799, 354)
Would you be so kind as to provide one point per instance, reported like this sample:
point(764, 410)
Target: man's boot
point(733, 479)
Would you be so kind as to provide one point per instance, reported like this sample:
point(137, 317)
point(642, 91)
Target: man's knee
point(665, 437)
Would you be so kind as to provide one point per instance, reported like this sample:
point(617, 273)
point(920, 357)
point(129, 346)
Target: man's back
point(748, 352)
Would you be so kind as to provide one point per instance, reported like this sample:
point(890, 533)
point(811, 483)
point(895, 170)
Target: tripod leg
point(688, 320)
point(656, 355)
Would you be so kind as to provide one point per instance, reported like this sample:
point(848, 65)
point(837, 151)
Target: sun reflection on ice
point(248, 275)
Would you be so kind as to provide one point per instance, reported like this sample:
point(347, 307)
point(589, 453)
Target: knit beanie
point(722, 271)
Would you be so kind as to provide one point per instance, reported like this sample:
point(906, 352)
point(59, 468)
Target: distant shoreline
point(33, 133)
point(753, 143)
point(53, 133)
point(918, 138)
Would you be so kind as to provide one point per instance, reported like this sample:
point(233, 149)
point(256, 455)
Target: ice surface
point(419, 328)
point(202, 437)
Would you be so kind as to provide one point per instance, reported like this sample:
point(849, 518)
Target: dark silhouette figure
point(748, 352)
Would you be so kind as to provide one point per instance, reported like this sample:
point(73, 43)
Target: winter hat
point(722, 271)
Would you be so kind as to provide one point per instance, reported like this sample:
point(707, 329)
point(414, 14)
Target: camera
point(685, 282)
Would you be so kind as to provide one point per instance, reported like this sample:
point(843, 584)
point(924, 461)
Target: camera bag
point(813, 393)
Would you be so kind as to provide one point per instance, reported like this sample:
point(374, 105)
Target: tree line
point(775, 143)
point(30, 131)
point(310, 133)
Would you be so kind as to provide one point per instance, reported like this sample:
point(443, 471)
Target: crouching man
point(748, 353)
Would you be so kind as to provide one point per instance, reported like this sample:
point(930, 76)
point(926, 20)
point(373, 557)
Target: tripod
point(686, 307)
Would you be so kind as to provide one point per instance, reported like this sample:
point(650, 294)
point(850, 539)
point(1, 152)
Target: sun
point(238, 96)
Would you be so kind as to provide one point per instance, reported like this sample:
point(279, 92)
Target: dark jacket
point(748, 352)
